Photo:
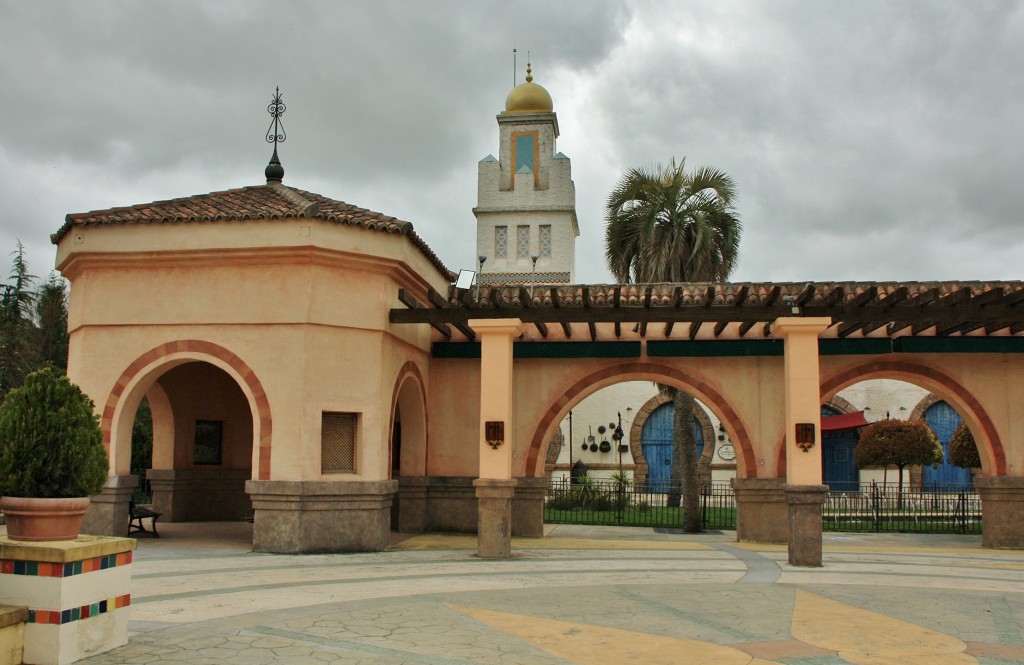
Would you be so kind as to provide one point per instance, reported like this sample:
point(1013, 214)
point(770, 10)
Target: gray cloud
point(868, 140)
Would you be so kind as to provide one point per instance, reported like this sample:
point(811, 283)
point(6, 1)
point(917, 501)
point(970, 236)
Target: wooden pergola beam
point(833, 297)
point(847, 329)
point(958, 307)
point(805, 295)
point(409, 301)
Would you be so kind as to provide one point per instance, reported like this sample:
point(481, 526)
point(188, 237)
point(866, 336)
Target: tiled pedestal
point(77, 593)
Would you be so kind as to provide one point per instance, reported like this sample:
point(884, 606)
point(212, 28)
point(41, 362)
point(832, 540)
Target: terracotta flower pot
point(43, 519)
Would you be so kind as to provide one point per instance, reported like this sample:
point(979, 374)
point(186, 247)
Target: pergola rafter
point(855, 308)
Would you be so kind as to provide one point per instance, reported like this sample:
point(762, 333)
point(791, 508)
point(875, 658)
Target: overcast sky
point(869, 140)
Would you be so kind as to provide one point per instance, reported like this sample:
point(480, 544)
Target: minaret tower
point(526, 225)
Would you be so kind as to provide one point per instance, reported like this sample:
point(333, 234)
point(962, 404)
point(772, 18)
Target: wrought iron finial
point(275, 135)
point(276, 109)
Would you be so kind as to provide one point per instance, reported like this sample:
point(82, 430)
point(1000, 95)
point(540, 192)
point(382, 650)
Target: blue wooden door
point(944, 420)
point(656, 443)
point(838, 469)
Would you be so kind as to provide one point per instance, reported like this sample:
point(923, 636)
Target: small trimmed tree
point(50, 440)
point(963, 451)
point(899, 443)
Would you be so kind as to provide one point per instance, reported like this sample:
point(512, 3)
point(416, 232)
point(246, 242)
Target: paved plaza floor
point(580, 595)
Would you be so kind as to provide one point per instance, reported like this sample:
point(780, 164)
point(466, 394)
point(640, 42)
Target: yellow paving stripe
point(868, 638)
point(588, 644)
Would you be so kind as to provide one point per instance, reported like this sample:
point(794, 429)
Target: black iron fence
point(616, 503)
point(865, 507)
point(887, 507)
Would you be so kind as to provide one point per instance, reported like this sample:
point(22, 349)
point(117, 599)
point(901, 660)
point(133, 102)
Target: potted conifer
point(52, 458)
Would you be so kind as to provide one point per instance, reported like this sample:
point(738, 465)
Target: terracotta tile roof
point(766, 293)
point(270, 202)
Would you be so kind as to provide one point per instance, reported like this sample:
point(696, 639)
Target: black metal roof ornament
point(275, 135)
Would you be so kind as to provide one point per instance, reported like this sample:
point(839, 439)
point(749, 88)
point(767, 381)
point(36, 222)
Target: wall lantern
point(805, 436)
point(494, 431)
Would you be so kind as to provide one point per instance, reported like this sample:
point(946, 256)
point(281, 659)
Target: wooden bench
point(137, 514)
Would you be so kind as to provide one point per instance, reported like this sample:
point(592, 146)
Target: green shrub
point(898, 443)
point(963, 451)
point(50, 440)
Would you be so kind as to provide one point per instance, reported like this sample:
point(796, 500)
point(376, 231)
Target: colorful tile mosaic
point(43, 569)
point(79, 613)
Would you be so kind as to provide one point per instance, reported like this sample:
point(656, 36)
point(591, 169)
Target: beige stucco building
point(309, 363)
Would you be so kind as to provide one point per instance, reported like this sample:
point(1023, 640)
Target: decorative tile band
point(78, 613)
point(44, 569)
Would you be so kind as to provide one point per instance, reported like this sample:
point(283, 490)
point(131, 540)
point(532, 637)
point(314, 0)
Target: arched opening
point(881, 399)
point(408, 448)
point(732, 431)
point(211, 429)
point(202, 445)
point(599, 476)
point(408, 445)
point(645, 415)
point(945, 388)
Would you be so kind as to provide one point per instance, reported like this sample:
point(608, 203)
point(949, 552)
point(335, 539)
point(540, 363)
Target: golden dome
point(528, 97)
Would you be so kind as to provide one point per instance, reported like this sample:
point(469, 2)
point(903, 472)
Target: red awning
point(843, 421)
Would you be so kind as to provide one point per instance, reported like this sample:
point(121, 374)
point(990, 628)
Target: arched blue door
point(943, 419)
point(656, 443)
point(838, 469)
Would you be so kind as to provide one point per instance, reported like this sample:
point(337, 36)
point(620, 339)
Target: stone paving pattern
point(581, 595)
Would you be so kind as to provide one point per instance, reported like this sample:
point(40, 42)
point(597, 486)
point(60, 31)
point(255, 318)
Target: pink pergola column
point(495, 487)
point(805, 493)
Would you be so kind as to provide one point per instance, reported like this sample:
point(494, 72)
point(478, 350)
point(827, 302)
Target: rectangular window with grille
point(500, 242)
point(545, 240)
point(523, 242)
point(208, 442)
point(338, 442)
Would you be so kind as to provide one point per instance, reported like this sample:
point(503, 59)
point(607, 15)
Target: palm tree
point(670, 225)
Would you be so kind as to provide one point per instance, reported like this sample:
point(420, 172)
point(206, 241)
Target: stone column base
point(412, 504)
point(108, 510)
point(805, 503)
point(451, 504)
point(494, 521)
point(297, 517)
point(1002, 504)
point(200, 495)
point(528, 507)
point(761, 512)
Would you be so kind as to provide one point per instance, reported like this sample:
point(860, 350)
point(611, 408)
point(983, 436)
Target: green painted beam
point(524, 350)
